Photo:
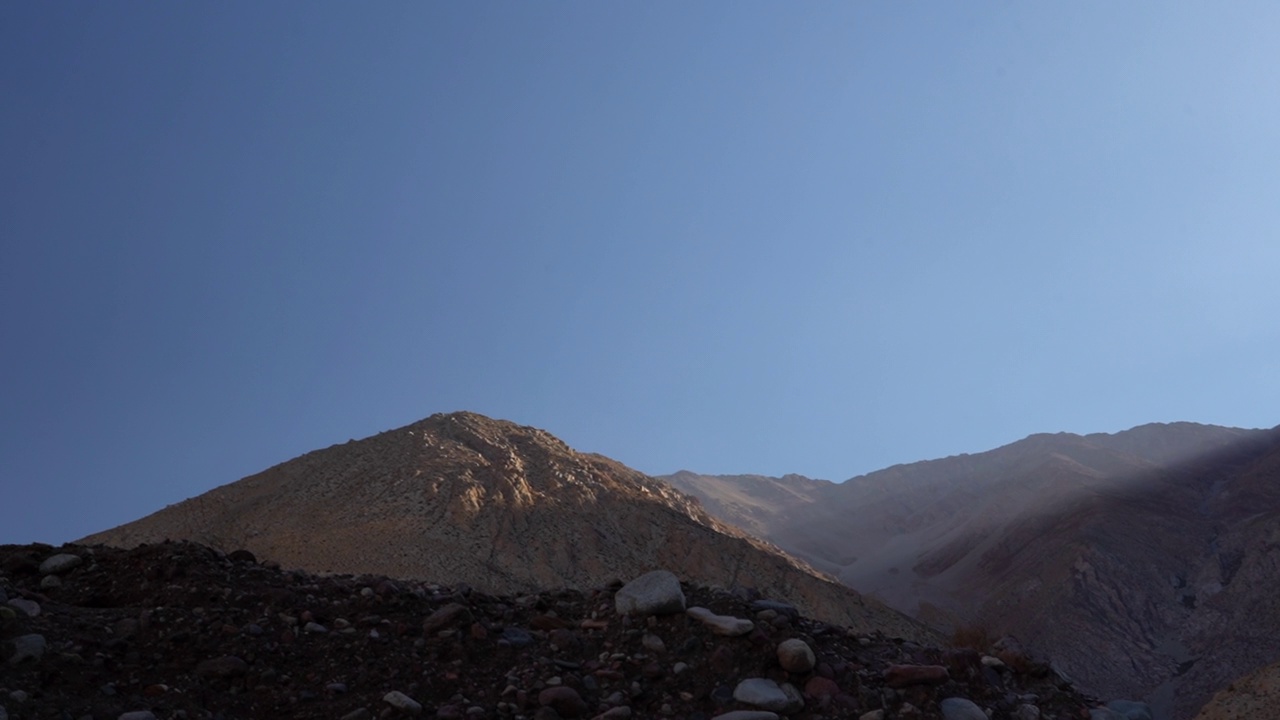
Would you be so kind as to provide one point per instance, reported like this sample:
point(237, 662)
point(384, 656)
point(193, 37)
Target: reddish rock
point(223, 667)
point(900, 676)
point(819, 686)
point(564, 700)
point(546, 622)
point(564, 639)
point(721, 661)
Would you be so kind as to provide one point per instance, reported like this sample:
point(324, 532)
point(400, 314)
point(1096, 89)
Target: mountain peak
point(460, 497)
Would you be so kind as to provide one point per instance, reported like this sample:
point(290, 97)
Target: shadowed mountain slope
point(502, 507)
point(1144, 560)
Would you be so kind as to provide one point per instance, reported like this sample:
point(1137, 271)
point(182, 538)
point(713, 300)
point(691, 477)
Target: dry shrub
point(973, 636)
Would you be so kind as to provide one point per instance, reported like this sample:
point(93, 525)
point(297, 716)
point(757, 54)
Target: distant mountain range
point(1147, 559)
point(503, 507)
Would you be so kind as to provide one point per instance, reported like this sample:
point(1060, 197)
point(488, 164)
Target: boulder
point(654, 593)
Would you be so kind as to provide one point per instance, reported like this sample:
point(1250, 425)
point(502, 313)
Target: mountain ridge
point(1074, 543)
point(501, 506)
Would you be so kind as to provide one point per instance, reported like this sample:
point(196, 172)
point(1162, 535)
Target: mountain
point(504, 508)
point(1145, 559)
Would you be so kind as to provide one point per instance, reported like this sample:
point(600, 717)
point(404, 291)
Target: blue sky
point(728, 236)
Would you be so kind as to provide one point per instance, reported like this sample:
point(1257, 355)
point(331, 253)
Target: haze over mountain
point(1142, 560)
point(506, 508)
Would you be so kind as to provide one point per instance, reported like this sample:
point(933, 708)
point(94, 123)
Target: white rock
point(60, 563)
point(721, 624)
point(1027, 712)
point(654, 593)
point(400, 701)
point(961, 709)
point(763, 693)
point(27, 647)
point(747, 715)
point(796, 656)
point(30, 607)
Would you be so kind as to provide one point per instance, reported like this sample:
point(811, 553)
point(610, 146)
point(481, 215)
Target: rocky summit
point(502, 507)
point(180, 630)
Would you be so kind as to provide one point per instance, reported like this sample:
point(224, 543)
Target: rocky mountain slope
point(501, 507)
point(178, 630)
point(1143, 559)
point(1257, 695)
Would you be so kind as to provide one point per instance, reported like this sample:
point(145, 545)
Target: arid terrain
point(1140, 560)
point(178, 630)
point(1129, 566)
point(503, 507)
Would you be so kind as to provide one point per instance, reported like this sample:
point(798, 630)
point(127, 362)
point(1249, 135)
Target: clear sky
point(724, 236)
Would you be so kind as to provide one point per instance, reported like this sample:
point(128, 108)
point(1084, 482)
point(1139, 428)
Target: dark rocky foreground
point(178, 630)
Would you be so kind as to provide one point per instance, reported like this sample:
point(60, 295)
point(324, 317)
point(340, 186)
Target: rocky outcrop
point(502, 507)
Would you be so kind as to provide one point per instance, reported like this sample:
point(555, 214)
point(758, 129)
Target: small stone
point(60, 563)
point(992, 662)
point(50, 582)
point(721, 624)
point(721, 660)
point(679, 668)
point(138, 715)
point(873, 715)
point(961, 709)
point(795, 656)
point(358, 714)
point(314, 627)
point(761, 692)
point(242, 556)
point(564, 700)
point(747, 715)
point(654, 593)
point(402, 702)
point(1026, 712)
point(653, 643)
point(819, 686)
point(518, 637)
point(223, 667)
point(27, 647)
point(900, 676)
point(30, 607)
point(446, 616)
point(18, 696)
point(618, 713)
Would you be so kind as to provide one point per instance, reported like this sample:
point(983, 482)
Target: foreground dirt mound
point(179, 630)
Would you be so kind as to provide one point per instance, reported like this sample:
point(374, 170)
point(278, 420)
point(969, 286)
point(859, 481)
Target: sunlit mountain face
point(505, 508)
point(1143, 559)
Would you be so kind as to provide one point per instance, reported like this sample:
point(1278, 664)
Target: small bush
point(974, 637)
